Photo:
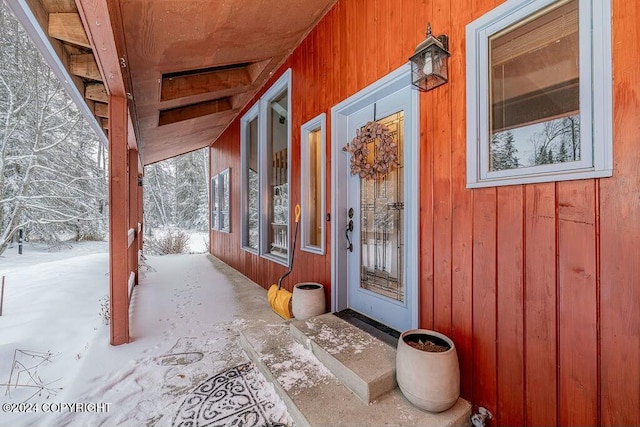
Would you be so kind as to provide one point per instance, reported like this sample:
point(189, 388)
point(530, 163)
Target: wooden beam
point(181, 86)
point(68, 27)
point(118, 221)
point(179, 114)
point(96, 92)
point(104, 123)
point(54, 6)
point(100, 31)
point(84, 65)
point(101, 109)
point(256, 69)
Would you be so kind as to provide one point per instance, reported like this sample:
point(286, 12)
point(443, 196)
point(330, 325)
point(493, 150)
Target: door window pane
point(382, 223)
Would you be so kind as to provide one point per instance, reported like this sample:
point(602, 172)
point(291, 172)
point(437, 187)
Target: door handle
point(346, 234)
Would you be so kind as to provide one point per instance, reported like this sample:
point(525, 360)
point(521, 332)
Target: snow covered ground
point(184, 320)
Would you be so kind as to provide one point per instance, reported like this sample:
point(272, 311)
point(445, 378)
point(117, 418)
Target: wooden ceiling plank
point(96, 92)
point(85, 65)
point(188, 112)
point(196, 84)
point(104, 123)
point(68, 27)
point(101, 109)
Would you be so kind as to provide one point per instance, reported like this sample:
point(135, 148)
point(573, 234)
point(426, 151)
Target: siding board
point(484, 301)
point(540, 306)
point(577, 303)
point(620, 233)
point(510, 317)
point(441, 122)
point(461, 203)
point(423, 11)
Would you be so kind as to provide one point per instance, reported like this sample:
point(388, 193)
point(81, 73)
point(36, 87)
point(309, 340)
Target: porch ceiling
point(189, 66)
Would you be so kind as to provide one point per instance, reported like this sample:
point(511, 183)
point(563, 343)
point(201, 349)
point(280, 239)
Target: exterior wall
point(538, 285)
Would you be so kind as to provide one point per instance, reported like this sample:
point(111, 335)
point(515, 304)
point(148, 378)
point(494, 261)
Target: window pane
point(251, 193)
point(314, 192)
point(214, 203)
point(382, 223)
point(277, 152)
point(224, 201)
point(535, 108)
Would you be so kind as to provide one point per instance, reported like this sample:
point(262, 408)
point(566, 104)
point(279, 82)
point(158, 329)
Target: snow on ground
point(198, 242)
point(184, 321)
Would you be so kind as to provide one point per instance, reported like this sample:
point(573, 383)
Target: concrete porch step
point(315, 397)
point(363, 363)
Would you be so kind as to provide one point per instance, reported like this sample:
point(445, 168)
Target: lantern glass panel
point(430, 68)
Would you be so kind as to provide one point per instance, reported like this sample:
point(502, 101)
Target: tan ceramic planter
point(307, 300)
point(430, 381)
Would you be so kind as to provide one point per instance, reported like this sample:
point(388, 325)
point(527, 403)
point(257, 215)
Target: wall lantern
point(429, 64)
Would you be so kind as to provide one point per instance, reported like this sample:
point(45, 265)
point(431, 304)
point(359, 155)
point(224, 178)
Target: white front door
point(379, 240)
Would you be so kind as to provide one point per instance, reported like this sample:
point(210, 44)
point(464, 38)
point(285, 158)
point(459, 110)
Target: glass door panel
point(381, 223)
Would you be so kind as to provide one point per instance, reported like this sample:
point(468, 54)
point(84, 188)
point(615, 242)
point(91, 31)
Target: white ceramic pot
point(307, 300)
point(429, 380)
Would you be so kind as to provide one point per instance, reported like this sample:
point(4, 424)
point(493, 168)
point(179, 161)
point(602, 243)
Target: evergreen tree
point(563, 155)
point(159, 194)
point(176, 192)
point(191, 190)
point(503, 151)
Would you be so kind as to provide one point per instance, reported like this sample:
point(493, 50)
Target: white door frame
point(392, 82)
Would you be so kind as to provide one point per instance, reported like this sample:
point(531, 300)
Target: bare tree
point(557, 141)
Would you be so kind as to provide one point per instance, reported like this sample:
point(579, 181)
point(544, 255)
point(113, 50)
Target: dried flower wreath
point(386, 152)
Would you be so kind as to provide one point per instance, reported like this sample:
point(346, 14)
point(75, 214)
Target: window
point(223, 204)
point(250, 185)
point(312, 181)
point(265, 150)
point(220, 206)
point(215, 225)
point(539, 92)
point(275, 157)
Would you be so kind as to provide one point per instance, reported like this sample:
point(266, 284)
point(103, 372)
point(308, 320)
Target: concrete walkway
point(185, 318)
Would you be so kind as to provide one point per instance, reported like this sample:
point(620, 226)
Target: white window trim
point(244, 183)
point(317, 123)
point(596, 93)
point(282, 84)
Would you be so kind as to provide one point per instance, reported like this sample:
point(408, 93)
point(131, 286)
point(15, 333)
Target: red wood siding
point(538, 285)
